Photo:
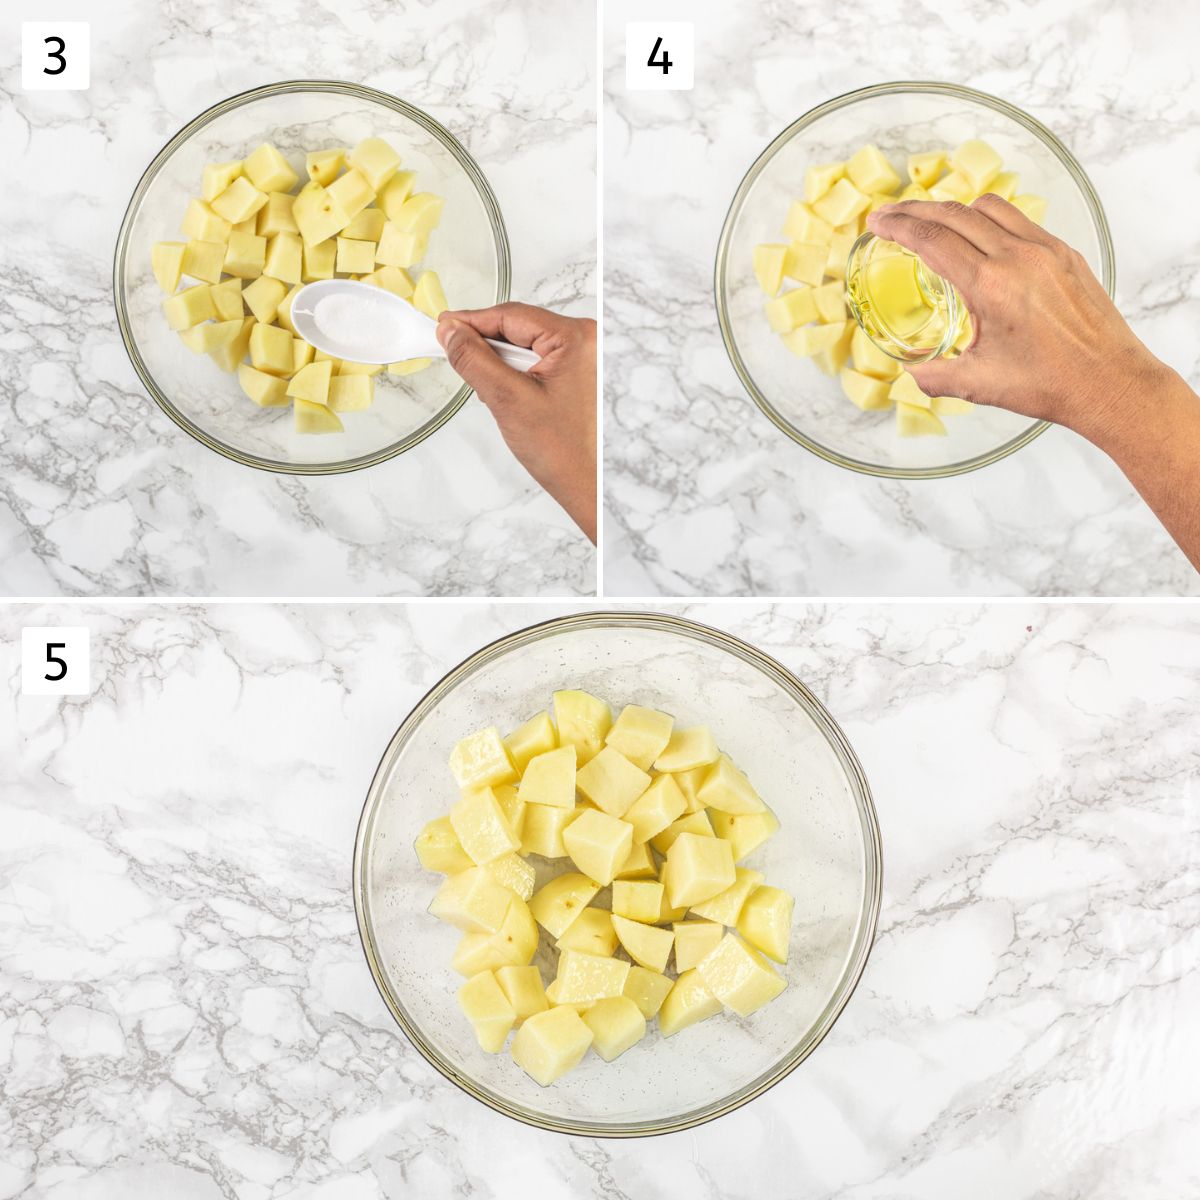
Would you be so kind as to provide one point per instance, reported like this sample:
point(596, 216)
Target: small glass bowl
point(899, 118)
point(298, 116)
point(827, 853)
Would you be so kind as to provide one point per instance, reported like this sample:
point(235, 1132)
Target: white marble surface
point(100, 494)
point(705, 496)
point(185, 1010)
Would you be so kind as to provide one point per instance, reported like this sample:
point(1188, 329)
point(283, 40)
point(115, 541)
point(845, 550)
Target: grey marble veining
point(100, 494)
point(704, 495)
point(185, 1010)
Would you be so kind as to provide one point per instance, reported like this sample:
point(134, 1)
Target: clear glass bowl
point(827, 853)
point(900, 118)
point(471, 257)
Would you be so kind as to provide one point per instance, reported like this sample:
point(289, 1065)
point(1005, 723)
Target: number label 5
point(55, 56)
point(56, 661)
point(659, 56)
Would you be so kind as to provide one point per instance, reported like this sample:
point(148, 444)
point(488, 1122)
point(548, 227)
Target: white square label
point(56, 661)
point(55, 56)
point(660, 56)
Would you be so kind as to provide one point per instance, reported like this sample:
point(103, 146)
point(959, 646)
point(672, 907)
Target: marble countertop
point(185, 1010)
point(705, 496)
point(100, 494)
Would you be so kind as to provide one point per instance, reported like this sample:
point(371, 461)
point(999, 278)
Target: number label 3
point(56, 661)
point(659, 56)
point(55, 56)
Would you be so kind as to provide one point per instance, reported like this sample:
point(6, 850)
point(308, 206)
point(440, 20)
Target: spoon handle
point(516, 357)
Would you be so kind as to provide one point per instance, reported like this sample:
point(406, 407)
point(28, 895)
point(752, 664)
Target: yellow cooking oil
point(893, 294)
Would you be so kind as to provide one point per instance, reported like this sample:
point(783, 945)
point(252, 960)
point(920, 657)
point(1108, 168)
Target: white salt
point(361, 324)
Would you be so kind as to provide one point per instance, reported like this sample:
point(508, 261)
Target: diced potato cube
point(395, 192)
point(696, 869)
point(598, 844)
point(904, 388)
point(616, 1024)
point(523, 988)
point(166, 261)
point(355, 257)
point(271, 349)
point(660, 804)
point(867, 392)
point(611, 782)
point(950, 406)
point(869, 359)
point(551, 1043)
point(766, 921)
point(536, 736)
point(914, 191)
point(376, 159)
point(647, 945)
point(647, 989)
point(318, 214)
point(913, 421)
point(1004, 185)
point(833, 358)
point(1034, 207)
point(227, 300)
point(229, 356)
point(879, 199)
point(264, 295)
point(366, 227)
point(201, 224)
point(481, 760)
point(216, 177)
point(513, 944)
point(276, 215)
point(322, 166)
point(745, 832)
point(925, 169)
point(355, 368)
point(437, 845)
point(245, 255)
point(637, 899)
point(510, 806)
point(583, 722)
point(311, 417)
point(870, 171)
point(397, 281)
point(768, 266)
point(840, 246)
point(697, 823)
point(543, 832)
point(428, 295)
point(477, 818)
point(830, 299)
point(409, 366)
point(189, 307)
point(591, 932)
point(560, 901)
point(726, 788)
point(803, 225)
point(239, 201)
point(640, 863)
point(285, 259)
point(488, 1009)
point(842, 203)
point(351, 393)
point(398, 248)
point(689, 784)
point(688, 1001)
point(739, 976)
point(352, 193)
point(812, 339)
point(204, 339)
point(203, 260)
point(791, 310)
point(320, 260)
point(549, 778)
point(820, 178)
point(472, 901)
point(806, 262)
point(693, 940)
point(269, 171)
point(954, 186)
point(312, 383)
point(978, 161)
point(585, 978)
point(726, 906)
point(420, 213)
point(513, 872)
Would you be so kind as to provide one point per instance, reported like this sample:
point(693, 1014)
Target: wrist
point(1120, 402)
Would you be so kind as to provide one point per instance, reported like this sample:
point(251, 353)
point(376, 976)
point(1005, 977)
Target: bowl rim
point(872, 849)
point(935, 87)
point(282, 87)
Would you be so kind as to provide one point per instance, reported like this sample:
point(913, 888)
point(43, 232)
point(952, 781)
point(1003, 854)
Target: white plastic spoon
point(361, 323)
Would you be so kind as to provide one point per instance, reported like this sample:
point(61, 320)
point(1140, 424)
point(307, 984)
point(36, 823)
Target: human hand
point(547, 416)
point(1048, 342)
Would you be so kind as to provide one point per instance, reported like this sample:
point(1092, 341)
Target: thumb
point(471, 357)
point(942, 377)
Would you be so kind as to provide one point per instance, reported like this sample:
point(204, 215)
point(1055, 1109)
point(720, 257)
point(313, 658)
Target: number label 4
point(659, 56)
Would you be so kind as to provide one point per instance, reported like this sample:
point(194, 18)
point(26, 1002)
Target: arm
point(1050, 344)
point(546, 416)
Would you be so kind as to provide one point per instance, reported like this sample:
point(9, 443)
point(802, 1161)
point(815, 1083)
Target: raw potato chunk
point(693, 940)
point(351, 393)
point(833, 358)
point(536, 736)
point(840, 246)
point(819, 179)
point(355, 257)
point(229, 357)
point(978, 162)
point(637, 899)
point(803, 225)
point(697, 868)
point(323, 166)
point(561, 901)
point(954, 186)
point(523, 989)
point(865, 390)
point(551, 1043)
point(660, 804)
point(227, 300)
point(806, 262)
point(472, 901)
point(201, 224)
point(245, 255)
point(481, 760)
point(420, 213)
point(869, 359)
point(428, 295)
point(830, 299)
point(409, 366)
point(812, 339)
point(543, 832)
point(688, 1001)
point(912, 421)
point(842, 203)
point(263, 297)
point(311, 417)
point(647, 945)
point(376, 160)
point(739, 976)
point(239, 201)
point(870, 171)
point(1004, 185)
point(688, 748)
point(598, 844)
point(791, 310)
point(616, 1024)
point(477, 818)
point(276, 216)
point(204, 339)
point(550, 779)
point(766, 921)
point(437, 845)
point(696, 823)
point(926, 168)
point(312, 383)
point(745, 833)
point(1034, 207)
point(202, 260)
point(640, 734)
point(284, 258)
point(511, 807)
point(488, 1009)
point(318, 214)
point(269, 171)
point(725, 907)
point(166, 261)
point(591, 932)
point(583, 722)
point(639, 865)
point(366, 227)
point(397, 281)
point(352, 193)
point(216, 177)
point(399, 249)
point(395, 192)
point(189, 307)
point(768, 266)
point(611, 782)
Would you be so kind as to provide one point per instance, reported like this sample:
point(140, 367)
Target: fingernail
point(446, 332)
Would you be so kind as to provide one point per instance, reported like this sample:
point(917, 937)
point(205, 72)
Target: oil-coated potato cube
point(526, 742)
point(647, 945)
point(269, 171)
point(583, 721)
point(551, 1043)
point(549, 778)
point(524, 990)
point(647, 989)
point(697, 823)
point(616, 1024)
point(688, 1001)
point(585, 978)
point(745, 832)
point(560, 901)
point(543, 831)
point(487, 1008)
point(688, 748)
point(611, 782)
point(637, 899)
point(479, 821)
point(514, 943)
point(598, 844)
point(513, 872)
point(739, 976)
point(725, 907)
point(481, 760)
point(437, 845)
point(696, 869)
point(766, 921)
point(591, 932)
point(693, 940)
point(472, 901)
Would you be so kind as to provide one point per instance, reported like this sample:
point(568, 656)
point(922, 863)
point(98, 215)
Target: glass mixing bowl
point(900, 118)
point(827, 853)
point(470, 256)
